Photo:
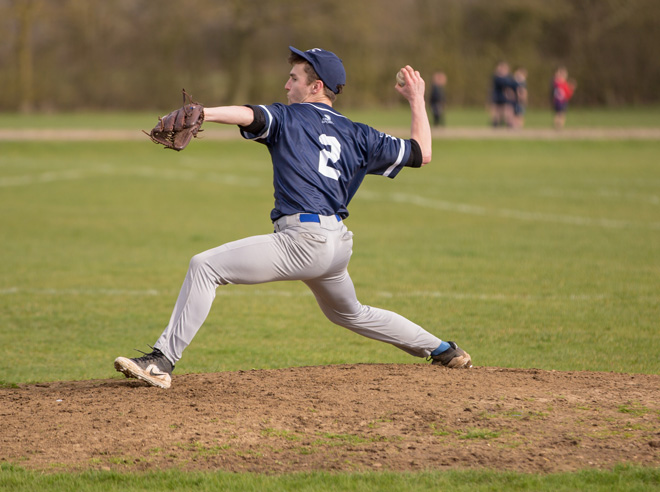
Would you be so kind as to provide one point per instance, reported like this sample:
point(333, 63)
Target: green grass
point(79, 120)
point(534, 118)
point(528, 253)
point(619, 479)
point(398, 116)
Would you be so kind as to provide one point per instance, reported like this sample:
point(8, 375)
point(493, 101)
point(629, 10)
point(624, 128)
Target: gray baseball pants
point(316, 253)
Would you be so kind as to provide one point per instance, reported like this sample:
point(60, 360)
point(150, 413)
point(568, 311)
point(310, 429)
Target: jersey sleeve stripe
point(402, 152)
point(266, 131)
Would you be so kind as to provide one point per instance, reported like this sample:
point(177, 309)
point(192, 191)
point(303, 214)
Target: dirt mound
point(344, 418)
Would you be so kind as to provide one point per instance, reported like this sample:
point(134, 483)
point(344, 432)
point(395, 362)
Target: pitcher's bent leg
point(337, 298)
point(251, 260)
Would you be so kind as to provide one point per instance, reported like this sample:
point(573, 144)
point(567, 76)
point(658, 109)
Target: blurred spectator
point(520, 97)
point(438, 98)
point(562, 92)
point(501, 96)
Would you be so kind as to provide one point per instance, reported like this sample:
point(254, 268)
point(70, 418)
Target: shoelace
point(154, 355)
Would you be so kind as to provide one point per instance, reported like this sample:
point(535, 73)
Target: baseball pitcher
point(319, 159)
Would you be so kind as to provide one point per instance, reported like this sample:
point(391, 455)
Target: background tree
point(138, 54)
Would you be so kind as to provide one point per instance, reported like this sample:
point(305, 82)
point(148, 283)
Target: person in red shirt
point(562, 92)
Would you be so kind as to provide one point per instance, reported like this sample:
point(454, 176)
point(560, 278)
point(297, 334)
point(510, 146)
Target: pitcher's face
point(297, 88)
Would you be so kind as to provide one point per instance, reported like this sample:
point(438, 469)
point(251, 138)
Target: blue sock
point(443, 346)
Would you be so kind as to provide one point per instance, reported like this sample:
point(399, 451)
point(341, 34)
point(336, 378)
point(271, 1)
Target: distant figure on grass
point(319, 160)
point(438, 98)
point(520, 97)
point(502, 96)
point(562, 92)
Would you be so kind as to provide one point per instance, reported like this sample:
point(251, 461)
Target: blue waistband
point(314, 218)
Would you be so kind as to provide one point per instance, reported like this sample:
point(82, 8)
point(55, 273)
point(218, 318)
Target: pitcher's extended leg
point(338, 301)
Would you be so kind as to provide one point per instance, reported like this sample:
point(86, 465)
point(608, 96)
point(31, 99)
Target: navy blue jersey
point(320, 157)
point(502, 84)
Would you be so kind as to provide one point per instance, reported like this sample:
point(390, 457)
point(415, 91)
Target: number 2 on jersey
point(331, 155)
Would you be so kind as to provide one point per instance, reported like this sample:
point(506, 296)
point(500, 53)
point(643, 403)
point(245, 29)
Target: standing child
point(562, 92)
point(520, 104)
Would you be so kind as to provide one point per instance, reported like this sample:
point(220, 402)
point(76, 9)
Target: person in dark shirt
point(438, 98)
point(501, 95)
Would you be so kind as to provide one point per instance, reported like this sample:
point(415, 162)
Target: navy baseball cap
point(326, 64)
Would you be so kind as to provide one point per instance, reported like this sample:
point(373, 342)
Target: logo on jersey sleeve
point(326, 120)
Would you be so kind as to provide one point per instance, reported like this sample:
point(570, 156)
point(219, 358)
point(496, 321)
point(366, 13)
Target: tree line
point(63, 55)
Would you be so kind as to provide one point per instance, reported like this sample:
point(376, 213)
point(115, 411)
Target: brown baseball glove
point(177, 129)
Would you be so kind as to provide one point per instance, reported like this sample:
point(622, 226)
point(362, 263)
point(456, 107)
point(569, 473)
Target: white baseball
point(400, 79)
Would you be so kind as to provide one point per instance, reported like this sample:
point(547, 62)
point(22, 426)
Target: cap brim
point(298, 52)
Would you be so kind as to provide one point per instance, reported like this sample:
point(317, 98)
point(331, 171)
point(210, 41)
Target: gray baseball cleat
point(453, 357)
point(153, 368)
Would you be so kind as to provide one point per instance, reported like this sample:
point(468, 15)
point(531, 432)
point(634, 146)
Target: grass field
point(527, 253)
point(640, 117)
point(620, 479)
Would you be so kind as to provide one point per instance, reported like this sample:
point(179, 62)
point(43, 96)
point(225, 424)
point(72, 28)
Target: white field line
point(257, 292)
point(603, 194)
point(465, 208)
point(232, 180)
point(144, 172)
point(48, 177)
point(80, 292)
